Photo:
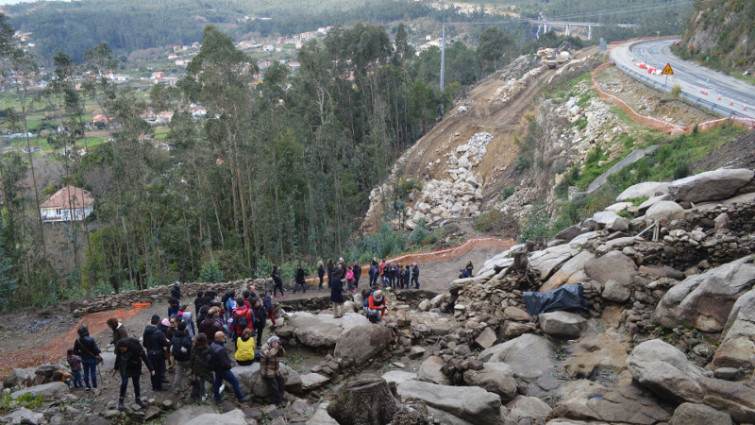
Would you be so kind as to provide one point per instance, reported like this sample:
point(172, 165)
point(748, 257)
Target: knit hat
point(155, 319)
point(377, 296)
point(272, 339)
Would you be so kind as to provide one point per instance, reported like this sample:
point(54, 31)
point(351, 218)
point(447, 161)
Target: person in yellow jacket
point(245, 348)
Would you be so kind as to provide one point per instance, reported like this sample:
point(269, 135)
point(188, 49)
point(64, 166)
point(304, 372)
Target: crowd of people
point(196, 349)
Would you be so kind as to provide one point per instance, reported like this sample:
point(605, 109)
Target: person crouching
point(376, 306)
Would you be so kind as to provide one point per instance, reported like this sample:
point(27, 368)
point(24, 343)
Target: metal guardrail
point(666, 88)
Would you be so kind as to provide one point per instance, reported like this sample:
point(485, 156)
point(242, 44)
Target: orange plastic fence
point(747, 123)
point(444, 254)
point(57, 348)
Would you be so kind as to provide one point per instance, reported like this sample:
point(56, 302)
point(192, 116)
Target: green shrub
point(536, 224)
point(419, 233)
point(506, 192)
point(495, 221)
point(211, 272)
point(676, 91)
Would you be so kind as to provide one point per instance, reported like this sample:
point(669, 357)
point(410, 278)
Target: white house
point(68, 204)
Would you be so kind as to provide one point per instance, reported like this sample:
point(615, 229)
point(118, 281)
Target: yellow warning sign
point(667, 70)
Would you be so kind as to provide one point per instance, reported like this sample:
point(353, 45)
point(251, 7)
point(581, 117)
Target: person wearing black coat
point(407, 275)
point(300, 280)
point(199, 301)
point(260, 319)
point(415, 275)
point(336, 293)
point(180, 347)
point(320, 273)
point(156, 345)
point(86, 348)
point(221, 365)
point(129, 356)
point(175, 291)
point(357, 270)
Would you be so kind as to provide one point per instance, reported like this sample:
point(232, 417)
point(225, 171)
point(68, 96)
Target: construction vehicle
point(553, 57)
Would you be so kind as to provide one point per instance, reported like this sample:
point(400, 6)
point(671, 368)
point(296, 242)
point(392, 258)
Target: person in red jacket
point(376, 306)
point(243, 318)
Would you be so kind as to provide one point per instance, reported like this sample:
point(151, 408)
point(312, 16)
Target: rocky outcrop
point(529, 355)
point(710, 185)
point(698, 414)
point(643, 190)
point(665, 371)
point(361, 343)
point(562, 324)
point(471, 404)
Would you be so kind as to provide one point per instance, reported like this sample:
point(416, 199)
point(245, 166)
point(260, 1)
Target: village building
point(68, 204)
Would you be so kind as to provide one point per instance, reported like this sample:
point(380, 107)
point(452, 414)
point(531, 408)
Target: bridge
point(545, 25)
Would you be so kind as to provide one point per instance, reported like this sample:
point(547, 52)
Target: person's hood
point(186, 316)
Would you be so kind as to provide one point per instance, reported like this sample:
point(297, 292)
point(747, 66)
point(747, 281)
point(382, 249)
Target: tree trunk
point(365, 401)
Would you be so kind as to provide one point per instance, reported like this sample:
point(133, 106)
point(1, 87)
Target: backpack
point(182, 350)
point(225, 297)
point(241, 322)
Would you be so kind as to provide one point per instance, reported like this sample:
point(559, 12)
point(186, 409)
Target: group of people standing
point(394, 276)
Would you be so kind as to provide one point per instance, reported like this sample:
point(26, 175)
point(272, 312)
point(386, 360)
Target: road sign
point(667, 70)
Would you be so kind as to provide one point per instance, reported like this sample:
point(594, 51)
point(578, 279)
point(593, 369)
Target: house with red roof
point(68, 204)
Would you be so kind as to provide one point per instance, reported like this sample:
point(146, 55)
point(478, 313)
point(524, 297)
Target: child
point(350, 280)
point(269, 307)
point(75, 362)
point(62, 376)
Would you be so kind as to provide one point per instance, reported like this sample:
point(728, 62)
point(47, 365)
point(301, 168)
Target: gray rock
point(487, 338)
point(736, 353)
point(734, 398)
point(399, 376)
point(710, 185)
point(652, 201)
point(643, 190)
point(430, 371)
point(23, 416)
point(322, 330)
point(425, 305)
point(19, 378)
point(530, 410)
point(494, 377)
point(562, 324)
point(471, 404)
point(664, 211)
point(705, 301)
point(516, 314)
point(741, 321)
point(665, 370)
point(615, 291)
point(737, 349)
point(529, 355)
point(321, 416)
point(570, 233)
point(251, 381)
point(612, 266)
point(234, 417)
point(698, 414)
point(361, 343)
point(571, 272)
point(311, 381)
point(49, 390)
point(611, 221)
point(625, 404)
point(550, 259)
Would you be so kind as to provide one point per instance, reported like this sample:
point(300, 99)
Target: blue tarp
point(567, 297)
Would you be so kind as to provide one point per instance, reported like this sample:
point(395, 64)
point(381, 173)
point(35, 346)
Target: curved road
point(699, 83)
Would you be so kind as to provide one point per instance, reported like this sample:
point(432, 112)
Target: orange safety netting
point(444, 254)
point(57, 348)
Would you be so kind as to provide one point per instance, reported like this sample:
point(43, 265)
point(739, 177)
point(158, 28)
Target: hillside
point(720, 34)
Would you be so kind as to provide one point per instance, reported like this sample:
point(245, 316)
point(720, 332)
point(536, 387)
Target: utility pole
point(442, 63)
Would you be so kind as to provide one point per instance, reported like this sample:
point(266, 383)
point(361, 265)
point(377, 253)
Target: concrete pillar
point(568, 30)
point(589, 32)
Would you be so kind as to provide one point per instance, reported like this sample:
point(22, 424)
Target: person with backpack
point(300, 281)
point(242, 319)
point(173, 307)
point(415, 276)
point(86, 348)
point(245, 348)
point(209, 325)
point(186, 317)
point(320, 273)
point(260, 319)
point(267, 302)
point(180, 349)
point(175, 291)
point(376, 306)
point(156, 344)
point(199, 301)
point(277, 282)
point(200, 369)
point(229, 303)
point(221, 365)
point(407, 275)
point(129, 356)
point(371, 273)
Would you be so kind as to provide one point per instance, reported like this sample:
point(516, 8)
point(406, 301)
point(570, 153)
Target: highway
point(710, 89)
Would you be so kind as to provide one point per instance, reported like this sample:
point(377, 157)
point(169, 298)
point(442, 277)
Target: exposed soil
point(738, 153)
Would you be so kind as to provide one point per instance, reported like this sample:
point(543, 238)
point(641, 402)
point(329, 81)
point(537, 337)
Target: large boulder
point(710, 185)
point(471, 404)
point(367, 400)
point(664, 211)
point(19, 378)
point(23, 416)
point(527, 410)
point(612, 266)
point(704, 301)
point(430, 371)
point(665, 370)
point(698, 414)
point(321, 416)
point(643, 190)
point(737, 349)
point(626, 404)
point(494, 377)
point(734, 398)
point(311, 381)
point(252, 383)
point(531, 356)
point(562, 324)
point(570, 273)
point(361, 343)
point(322, 330)
point(49, 390)
point(550, 259)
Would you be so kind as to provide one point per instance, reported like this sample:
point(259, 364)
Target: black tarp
point(567, 297)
